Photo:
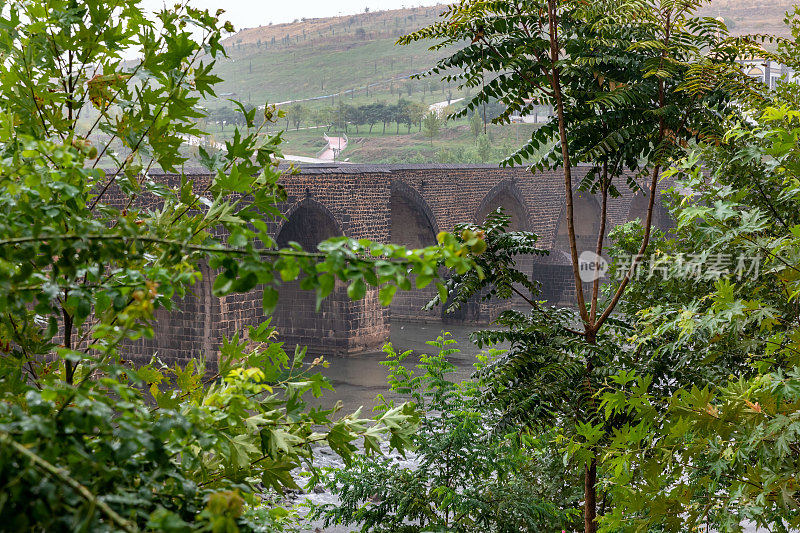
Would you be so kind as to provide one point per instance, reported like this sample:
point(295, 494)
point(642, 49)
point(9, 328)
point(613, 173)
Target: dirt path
point(439, 107)
point(334, 148)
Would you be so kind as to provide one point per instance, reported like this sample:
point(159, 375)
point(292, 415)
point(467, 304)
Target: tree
point(464, 481)
point(432, 125)
point(87, 257)
point(326, 116)
point(629, 88)
point(475, 125)
point(407, 112)
point(484, 148)
point(726, 325)
point(342, 115)
point(416, 113)
point(398, 114)
point(384, 112)
point(370, 116)
point(298, 114)
point(355, 115)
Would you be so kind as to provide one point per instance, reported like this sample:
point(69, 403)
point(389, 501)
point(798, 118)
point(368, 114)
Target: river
point(358, 379)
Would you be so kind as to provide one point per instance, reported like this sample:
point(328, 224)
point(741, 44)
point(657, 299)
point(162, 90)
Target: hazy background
point(251, 13)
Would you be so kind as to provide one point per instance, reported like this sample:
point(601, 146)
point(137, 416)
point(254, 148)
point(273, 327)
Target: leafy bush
point(99, 455)
point(464, 477)
point(713, 441)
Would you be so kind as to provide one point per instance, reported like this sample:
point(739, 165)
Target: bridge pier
point(340, 327)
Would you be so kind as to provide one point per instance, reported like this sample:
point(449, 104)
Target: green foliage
point(464, 479)
point(100, 456)
point(710, 436)
point(632, 85)
point(432, 125)
point(497, 250)
point(484, 148)
point(475, 125)
point(91, 247)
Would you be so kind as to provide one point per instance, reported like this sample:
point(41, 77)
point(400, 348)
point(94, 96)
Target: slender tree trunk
point(590, 473)
point(69, 368)
point(590, 498)
point(562, 131)
point(600, 237)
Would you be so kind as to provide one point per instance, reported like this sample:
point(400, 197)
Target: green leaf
point(357, 289)
point(270, 299)
point(386, 294)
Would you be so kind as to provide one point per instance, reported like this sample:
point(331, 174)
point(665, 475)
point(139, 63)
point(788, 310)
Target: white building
point(769, 72)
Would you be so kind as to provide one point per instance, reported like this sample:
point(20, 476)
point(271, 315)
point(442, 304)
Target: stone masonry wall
point(360, 201)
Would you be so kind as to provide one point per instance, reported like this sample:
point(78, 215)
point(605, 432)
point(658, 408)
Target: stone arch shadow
point(638, 209)
point(315, 207)
point(412, 224)
point(341, 326)
point(586, 215)
point(505, 194)
point(554, 272)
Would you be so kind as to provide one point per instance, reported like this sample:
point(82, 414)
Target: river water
point(358, 379)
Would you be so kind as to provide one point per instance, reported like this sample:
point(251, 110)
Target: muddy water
point(358, 379)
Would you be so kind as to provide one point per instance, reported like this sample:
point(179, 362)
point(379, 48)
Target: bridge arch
point(331, 329)
point(413, 225)
point(308, 222)
point(508, 196)
point(412, 222)
point(638, 209)
point(586, 215)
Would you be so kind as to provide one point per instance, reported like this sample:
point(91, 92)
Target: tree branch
point(65, 478)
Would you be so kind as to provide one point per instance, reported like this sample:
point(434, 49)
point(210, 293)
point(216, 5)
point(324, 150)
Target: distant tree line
point(344, 116)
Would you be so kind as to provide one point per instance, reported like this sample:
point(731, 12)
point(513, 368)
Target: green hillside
point(319, 57)
point(320, 67)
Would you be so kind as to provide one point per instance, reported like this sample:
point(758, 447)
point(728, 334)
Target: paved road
point(335, 146)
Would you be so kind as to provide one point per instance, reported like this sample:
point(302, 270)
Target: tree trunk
point(69, 368)
point(590, 497)
point(590, 472)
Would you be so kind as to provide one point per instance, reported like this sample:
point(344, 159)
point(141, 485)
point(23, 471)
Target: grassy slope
point(324, 56)
point(331, 57)
point(752, 16)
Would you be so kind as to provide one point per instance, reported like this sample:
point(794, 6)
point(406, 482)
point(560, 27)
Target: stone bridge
point(404, 204)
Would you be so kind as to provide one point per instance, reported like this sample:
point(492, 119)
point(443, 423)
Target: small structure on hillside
point(769, 72)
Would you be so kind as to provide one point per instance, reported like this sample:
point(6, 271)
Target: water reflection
point(358, 379)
